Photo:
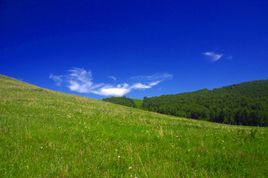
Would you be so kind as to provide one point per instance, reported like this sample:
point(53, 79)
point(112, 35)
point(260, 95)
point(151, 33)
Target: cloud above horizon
point(112, 78)
point(58, 79)
point(81, 81)
point(213, 56)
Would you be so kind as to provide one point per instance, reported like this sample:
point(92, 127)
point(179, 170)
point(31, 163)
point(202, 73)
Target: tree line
point(240, 104)
point(122, 101)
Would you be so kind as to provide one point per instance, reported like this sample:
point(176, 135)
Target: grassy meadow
point(50, 134)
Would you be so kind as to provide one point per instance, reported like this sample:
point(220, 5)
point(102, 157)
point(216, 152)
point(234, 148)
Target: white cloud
point(213, 56)
point(113, 78)
point(155, 77)
point(81, 81)
point(113, 91)
point(144, 86)
point(58, 79)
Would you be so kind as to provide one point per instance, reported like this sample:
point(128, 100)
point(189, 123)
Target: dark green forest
point(122, 101)
point(240, 104)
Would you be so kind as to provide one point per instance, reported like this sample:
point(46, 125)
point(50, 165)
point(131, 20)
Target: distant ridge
point(245, 103)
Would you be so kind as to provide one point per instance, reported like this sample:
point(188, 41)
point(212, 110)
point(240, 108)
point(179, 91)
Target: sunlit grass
point(49, 134)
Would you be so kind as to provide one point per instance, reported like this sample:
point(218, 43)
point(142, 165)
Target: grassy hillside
point(50, 134)
point(240, 104)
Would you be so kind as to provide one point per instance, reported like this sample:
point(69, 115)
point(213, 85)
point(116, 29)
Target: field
point(50, 134)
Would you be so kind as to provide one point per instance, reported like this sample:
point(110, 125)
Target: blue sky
point(136, 48)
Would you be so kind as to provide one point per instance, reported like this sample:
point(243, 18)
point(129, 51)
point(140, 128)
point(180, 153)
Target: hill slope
point(50, 134)
point(242, 104)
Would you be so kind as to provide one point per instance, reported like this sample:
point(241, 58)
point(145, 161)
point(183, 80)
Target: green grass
point(50, 134)
point(138, 102)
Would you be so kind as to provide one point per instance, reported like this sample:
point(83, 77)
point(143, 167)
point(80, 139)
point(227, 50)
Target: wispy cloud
point(155, 77)
point(141, 86)
point(213, 56)
point(58, 79)
point(81, 81)
point(113, 78)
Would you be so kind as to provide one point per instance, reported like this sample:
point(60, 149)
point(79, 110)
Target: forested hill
point(122, 101)
point(257, 89)
point(245, 104)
